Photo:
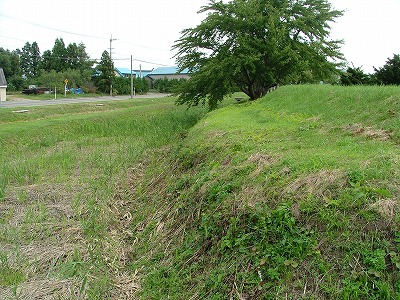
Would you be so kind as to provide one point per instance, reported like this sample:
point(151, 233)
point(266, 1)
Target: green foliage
point(30, 59)
point(104, 73)
point(370, 283)
point(66, 214)
point(122, 85)
point(258, 207)
point(8, 275)
point(166, 85)
point(10, 63)
point(354, 76)
point(141, 85)
point(390, 72)
point(289, 197)
point(272, 239)
point(53, 79)
point(43, 69)
point(15, 83)
point(56, 59)
point(375, 260)
point(258, 248)
point(60, 59)
point(255, 45)
point(77, 58)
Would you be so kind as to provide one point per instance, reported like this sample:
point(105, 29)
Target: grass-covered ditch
point(293, 196)
point(64, 227)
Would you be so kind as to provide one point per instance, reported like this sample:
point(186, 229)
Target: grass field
point(63, 223)
point(293, 196)
point(51, 96)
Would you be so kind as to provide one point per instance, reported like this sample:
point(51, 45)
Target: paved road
point(29, 103)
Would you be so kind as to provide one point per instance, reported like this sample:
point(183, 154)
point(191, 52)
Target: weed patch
point(276, 199)
point(62, 216)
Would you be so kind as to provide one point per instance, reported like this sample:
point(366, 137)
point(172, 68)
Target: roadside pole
point(65, 87)
point(131, 79)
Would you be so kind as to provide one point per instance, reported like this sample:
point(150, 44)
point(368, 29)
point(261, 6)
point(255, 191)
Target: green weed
point(8, 275)
point(265, 190)
point(292, 196)
point(89, 148)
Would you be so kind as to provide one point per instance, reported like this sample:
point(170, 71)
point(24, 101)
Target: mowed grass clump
point(63, 222)
point(293, 196)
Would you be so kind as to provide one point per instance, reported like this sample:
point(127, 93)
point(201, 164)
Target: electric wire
point(51, 28)
point(87, 36)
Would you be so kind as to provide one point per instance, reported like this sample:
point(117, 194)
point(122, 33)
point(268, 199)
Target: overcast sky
point(146, 29)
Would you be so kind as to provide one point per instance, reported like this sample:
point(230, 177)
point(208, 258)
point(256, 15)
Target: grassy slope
point(294, 196)
point(62, 222)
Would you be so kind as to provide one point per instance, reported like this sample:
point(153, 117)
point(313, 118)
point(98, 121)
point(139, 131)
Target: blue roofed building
point(124, 72)
point(168, 73)
point(142, 73)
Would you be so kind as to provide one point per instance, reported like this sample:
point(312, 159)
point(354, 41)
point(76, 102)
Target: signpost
point(65, 87)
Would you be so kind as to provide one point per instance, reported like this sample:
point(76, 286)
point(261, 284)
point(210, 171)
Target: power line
point(88, 36)
point(144, 47)
point(12, 38)
point(51, 28)
point(75, 33)
point(148, 62)
point(143, 61)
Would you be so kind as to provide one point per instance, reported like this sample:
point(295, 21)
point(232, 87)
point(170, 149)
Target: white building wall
point(3, 93)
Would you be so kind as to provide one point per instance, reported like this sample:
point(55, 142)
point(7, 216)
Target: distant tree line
point(27, 66)
point(389, 74)
point(166, 85)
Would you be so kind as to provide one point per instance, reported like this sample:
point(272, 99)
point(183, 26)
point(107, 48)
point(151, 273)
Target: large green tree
point(77, 58)
point(62, 58)
point(10, 63)
point(355, 76)
point(390, 72)
point(57, 58)
point(254, 45)
point(104, 73)
point(30, 59)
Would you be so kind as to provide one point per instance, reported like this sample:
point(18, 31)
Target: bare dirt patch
point(126, 285)
point(216, 134)
point(325, 183)
point(261, 159)
point(387, 208)
point(44, 289)
point(369, 132)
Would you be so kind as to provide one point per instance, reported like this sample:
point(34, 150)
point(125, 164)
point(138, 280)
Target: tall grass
point(61, 168)
point(54, 145)
point(293, 196)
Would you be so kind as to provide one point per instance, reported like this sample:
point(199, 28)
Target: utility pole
point(112, 64)
point(131, 78)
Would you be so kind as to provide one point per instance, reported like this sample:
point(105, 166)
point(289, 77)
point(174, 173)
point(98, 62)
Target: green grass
point(293, 196)
point(62, 169)
point(51, 96)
